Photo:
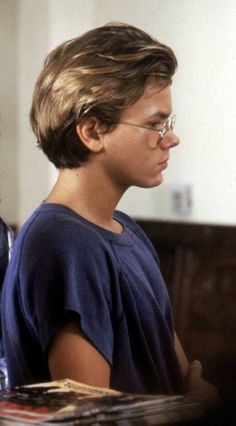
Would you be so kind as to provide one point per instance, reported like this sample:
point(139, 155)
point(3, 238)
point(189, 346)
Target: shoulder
point(57, 228)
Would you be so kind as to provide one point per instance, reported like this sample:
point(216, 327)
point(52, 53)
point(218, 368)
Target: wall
point(32, 46)
point(8, 111)
point(40, 29)
point(202, 33)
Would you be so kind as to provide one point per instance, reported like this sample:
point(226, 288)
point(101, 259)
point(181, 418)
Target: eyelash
point(154, 124)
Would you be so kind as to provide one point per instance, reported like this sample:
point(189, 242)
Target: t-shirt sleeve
point(66, 275)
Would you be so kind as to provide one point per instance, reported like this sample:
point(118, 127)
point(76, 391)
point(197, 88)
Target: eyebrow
point(158, 114)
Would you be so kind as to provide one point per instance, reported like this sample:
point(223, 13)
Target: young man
point(84, 297)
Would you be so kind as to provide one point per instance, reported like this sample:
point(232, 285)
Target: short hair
point(98, 74)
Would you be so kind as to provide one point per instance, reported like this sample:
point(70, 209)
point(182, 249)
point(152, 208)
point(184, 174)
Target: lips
point(164, 162)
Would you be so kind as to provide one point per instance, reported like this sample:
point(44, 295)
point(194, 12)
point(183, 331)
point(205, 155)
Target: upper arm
point(72, 356)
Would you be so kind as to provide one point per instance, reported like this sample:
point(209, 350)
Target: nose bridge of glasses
point(168, 124)
point(164, 128)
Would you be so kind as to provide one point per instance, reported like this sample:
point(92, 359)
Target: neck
point(93, 199)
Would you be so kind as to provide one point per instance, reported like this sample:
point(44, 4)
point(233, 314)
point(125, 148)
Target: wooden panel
point(199, 265)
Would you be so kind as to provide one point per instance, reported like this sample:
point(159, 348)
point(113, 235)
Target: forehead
point(155, 101)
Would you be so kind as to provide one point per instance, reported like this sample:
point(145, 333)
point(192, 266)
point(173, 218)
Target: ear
point(88, 132)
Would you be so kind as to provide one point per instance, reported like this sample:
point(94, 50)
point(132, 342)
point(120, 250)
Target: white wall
point(32, 46)
point(42, 25)
point(202, 33)
point(8, 111)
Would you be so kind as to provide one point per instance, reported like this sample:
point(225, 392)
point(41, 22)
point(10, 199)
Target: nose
point(170, 140)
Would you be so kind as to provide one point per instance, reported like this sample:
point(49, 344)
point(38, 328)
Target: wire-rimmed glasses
point(167, 125)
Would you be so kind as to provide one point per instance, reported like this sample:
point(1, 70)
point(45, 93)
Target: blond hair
point(97, 75)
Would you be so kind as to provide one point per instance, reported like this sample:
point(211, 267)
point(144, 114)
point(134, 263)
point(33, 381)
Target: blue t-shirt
point(64, 268)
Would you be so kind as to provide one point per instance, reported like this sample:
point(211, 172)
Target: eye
point(154, 125)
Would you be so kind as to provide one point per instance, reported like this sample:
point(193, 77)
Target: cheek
point(131, 152)
point(121, 148)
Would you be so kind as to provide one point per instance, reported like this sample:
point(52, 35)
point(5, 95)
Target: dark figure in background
point(6, 245)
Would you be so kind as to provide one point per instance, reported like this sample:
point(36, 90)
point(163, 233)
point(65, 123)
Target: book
point(67, 402)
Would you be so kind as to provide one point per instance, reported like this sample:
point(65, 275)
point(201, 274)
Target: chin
point(156, 181)
point(152, 183)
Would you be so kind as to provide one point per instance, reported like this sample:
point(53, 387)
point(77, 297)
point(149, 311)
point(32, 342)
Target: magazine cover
point(73, 403)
